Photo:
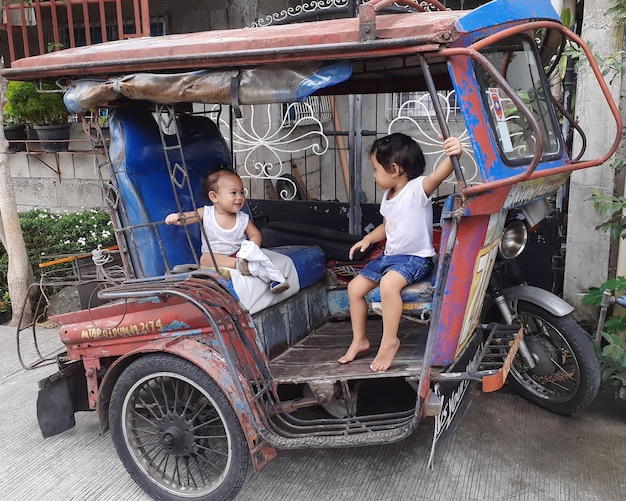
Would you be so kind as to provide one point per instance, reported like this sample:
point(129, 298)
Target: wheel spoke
point(550, 378)
point(204, 405)
point(150, 390)
point(162, 466)
point(207, 423)
point(209, 463)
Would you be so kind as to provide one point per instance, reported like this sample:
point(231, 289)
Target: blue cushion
point(416, 293)
point(308, 260)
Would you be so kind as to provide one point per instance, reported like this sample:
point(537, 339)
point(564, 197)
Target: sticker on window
point(498, 111)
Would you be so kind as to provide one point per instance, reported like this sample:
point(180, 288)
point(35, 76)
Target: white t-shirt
point(223, 241)
point(408, 221)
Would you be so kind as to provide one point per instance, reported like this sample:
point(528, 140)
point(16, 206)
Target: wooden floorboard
point(315, 357)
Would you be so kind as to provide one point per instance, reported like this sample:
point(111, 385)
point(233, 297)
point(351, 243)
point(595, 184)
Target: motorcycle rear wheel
point(566, 377)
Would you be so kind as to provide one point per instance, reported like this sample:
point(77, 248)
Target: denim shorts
point(412, 268)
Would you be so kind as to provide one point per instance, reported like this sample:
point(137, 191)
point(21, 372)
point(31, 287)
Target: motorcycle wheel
point(175, 431)
point(566, 377)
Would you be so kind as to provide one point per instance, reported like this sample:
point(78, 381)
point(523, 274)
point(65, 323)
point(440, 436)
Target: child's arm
point(374, 236)
point(253, 233)
point(452, 146)
point(185, 218)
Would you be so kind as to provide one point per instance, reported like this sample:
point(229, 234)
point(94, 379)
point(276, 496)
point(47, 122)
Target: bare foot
point(385, 355)
point(354, 349)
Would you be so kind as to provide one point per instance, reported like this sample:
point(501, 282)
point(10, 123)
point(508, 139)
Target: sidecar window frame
point(509, 127)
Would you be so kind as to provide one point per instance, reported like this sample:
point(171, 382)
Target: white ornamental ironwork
point(297, 11)
point(321, 7)
point(276, 143)
point(428, 133)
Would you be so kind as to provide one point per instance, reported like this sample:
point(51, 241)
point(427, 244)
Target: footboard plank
point(315, 357)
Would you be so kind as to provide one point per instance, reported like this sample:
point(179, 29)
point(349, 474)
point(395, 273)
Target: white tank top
point(409, 221)
point(223, 241)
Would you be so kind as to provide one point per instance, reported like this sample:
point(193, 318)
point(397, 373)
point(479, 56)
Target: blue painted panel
point(338, 303)
point(506, 11)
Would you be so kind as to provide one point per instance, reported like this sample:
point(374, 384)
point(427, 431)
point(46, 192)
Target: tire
point(175, 431)
point(566, 377)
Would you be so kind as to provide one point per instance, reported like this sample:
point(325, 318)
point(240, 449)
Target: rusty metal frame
point(473, 52)
point(368, 10)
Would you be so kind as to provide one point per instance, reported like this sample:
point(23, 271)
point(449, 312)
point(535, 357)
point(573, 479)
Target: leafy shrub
point(47, 233)
point(27, 103)
point(612, 351)
point(613, 363)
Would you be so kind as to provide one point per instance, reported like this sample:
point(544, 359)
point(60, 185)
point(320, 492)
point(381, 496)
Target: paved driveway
point(504, 449)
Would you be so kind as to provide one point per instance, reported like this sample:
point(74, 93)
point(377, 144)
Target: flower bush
point(48, 233)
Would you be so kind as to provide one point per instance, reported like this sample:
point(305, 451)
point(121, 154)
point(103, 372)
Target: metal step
point(496, 356)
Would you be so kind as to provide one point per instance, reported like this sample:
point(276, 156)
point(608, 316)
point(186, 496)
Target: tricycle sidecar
point(198, 372)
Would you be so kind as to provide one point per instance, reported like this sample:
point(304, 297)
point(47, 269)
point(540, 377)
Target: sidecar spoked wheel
point(175, 431)
point(566, 376)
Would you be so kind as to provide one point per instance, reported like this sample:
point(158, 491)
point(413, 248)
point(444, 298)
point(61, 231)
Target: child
point(226, 226)
point(407, 225)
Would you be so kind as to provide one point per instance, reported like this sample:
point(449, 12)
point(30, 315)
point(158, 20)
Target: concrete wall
point(588, 251)
point(185, 16)
point(62, 181)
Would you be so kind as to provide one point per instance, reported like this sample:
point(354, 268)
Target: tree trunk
point(19, 273)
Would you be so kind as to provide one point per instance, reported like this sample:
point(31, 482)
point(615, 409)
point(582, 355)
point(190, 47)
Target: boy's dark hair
point(402, 150)
point(211, 181)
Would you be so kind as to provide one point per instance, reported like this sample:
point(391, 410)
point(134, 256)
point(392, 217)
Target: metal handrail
point(472, 51)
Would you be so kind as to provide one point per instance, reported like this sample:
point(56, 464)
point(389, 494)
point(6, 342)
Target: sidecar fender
point(539, 297)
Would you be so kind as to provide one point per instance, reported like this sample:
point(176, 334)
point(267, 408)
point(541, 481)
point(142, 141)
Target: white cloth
point(259, 264)
point(408, 221)
point(224, 241)
point(254, 294)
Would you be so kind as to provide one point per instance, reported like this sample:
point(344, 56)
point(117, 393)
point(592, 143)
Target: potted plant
point(14, 130)
point(43, 108)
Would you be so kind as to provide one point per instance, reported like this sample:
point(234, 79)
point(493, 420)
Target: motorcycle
point(556, 367)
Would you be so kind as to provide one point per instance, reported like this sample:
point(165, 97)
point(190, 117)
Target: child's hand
point(360, 246)
point(173, 218)
point(452, 146)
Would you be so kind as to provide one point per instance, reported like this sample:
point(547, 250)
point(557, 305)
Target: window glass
point(515, 59)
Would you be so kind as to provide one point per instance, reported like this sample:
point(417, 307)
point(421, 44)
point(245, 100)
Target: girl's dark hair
point(402, 150)
point(211, 181)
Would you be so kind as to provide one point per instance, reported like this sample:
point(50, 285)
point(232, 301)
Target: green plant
point(53, 46)
point(47, 233)
point(613, 362)
point(610, 65)
point(614, 207)
point(612, 352)
point(37, 106)
point(8, 117)
point(618, 11)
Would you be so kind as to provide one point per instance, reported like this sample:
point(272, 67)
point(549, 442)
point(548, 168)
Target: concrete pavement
point(504, 449)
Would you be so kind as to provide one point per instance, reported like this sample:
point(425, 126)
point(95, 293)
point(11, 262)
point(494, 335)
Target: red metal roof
point(327, 40)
